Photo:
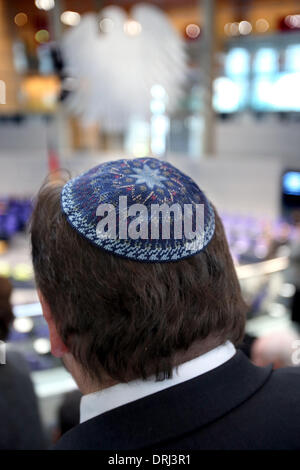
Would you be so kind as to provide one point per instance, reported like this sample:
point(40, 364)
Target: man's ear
point(58, 348)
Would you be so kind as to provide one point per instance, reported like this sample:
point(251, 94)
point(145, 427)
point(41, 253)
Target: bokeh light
point(193, 31)
point(227, 29)
point(234, 29)
point(262, 25)
point(23, 325)
point(245, 28)
point(45, 4)
point(21, 19)
point(132, 27)
point(70, 18)
point(292, 21)
point(158, 92)
point(106, 25)
point(42, 36)
point(42, 345)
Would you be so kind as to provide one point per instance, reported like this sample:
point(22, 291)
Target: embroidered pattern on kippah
point(144, 181)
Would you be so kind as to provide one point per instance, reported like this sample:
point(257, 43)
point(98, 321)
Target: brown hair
point(6, 314)
point(127, 318)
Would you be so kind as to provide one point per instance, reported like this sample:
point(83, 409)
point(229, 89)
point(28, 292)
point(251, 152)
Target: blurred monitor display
point(292, 58)
point(262, 93)
point(285, 92)
point(290, 195)
point(291, 183)
point(237, 62)
point(229, 95)
point(265, 61)
point(255, 79)
point(279, 92)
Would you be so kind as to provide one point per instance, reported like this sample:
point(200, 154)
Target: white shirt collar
point(99, 402)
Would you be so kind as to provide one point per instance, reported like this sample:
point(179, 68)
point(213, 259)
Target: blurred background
point(212, 86)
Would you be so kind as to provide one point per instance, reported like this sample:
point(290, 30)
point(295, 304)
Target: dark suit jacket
point(20, 425)
point(235, 406)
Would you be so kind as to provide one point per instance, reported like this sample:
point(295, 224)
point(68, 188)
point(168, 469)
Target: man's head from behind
point(120, 317)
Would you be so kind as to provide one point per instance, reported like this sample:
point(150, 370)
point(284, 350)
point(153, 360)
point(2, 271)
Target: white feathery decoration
point(115, 69)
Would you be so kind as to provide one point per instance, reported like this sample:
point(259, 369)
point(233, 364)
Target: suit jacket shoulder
point(235, 406)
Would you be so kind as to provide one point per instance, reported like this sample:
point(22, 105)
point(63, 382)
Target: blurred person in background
point(20, 425)
point(151, 341)
point(278, 348)
point(293, 277)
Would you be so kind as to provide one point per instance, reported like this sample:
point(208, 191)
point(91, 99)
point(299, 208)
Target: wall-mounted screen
point(291, 183)
point(285, 92)
point(229, 95)
point(265, 61)
point(292, 58)
point(237, 62)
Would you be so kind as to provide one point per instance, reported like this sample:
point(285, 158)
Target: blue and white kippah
point(123, 207)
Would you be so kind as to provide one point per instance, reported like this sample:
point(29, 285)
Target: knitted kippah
point(125, 206)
